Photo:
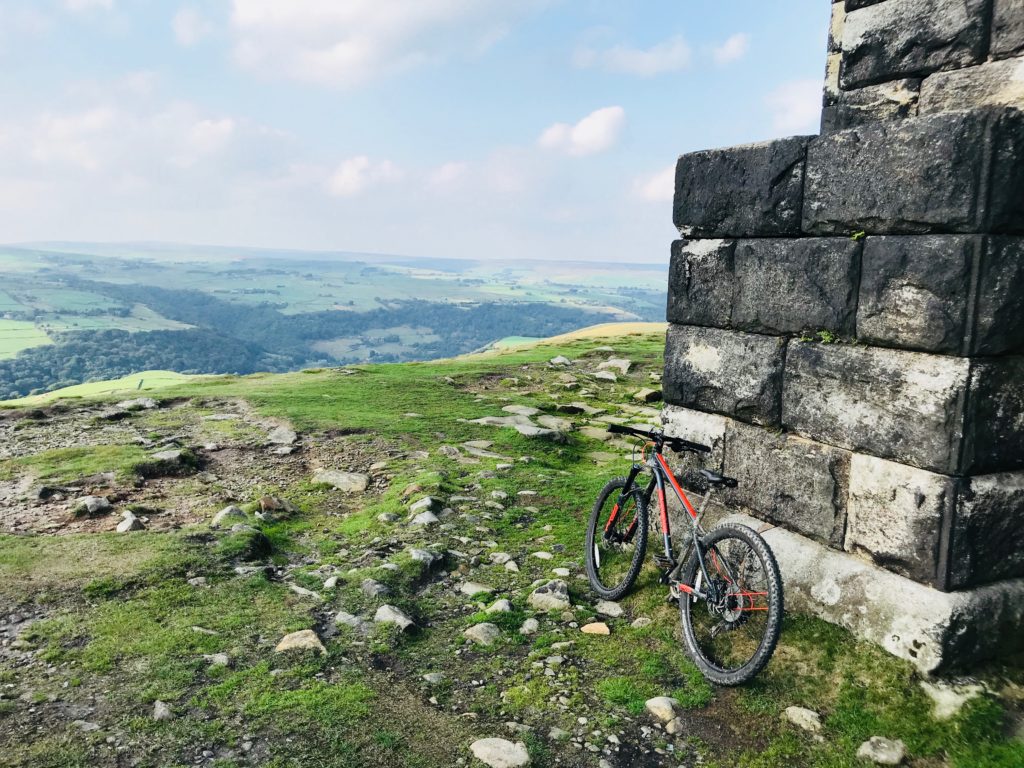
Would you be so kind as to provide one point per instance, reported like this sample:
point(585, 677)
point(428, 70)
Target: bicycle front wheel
point(616, 539)
point(732, 638)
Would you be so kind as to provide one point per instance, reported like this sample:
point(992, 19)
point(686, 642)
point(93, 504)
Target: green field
point(128, 386)
point(17, 335)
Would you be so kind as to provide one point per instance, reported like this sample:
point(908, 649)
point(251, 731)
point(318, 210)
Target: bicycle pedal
point(662, 562)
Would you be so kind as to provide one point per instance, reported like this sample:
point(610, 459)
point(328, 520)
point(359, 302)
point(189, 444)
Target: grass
point(135, 385)
point(62, 465)
point(16, 335)
point(121, 613)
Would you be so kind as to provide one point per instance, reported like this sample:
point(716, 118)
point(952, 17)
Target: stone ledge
point(931, 629)
point(993, 84)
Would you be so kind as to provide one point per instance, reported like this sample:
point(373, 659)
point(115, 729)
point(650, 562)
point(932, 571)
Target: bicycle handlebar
point(677, 444)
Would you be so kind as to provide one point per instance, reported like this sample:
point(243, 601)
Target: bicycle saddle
point(716, 479)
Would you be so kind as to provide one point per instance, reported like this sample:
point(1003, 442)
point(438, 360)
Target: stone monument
point(847, 330)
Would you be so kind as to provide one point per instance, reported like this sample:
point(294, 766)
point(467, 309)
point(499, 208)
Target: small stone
point(621, 364)
point(662, 707)
point(473, 588)
point(500, 606)
point(561, 360)
point(228, 517)
point(282, 436)
point(553, 596)
point(561, 572)
point(389, 614)
point(138, 404)
point(92, 505)
point(500, 753)
point(303, 640)
point(387, 517)
point(346, 619)
point(161, 711)
point(303, 592)
point(85, 726)
point(606, 376)
point(426, 504)
point(434, 678)
point(557, 734)
point(882, 751)
point(331, 582)
point(647, 395)
point(543, 555)
point(641, 622)
point(129, 522)
point(425, 556)
point(483, 634)
point(217, 659)
point(512, 566)
point(529, 627)
point(674, 726)
point(595, 628)
point(608, 608)
point(425, 518)
point(373, 588)
point(349, 482)
point(499, 558)
point(807, 719)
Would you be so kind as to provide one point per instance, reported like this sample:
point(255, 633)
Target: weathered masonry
point(847, 330)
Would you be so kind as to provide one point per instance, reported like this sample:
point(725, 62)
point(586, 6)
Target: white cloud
point(356, 174)
point(671, 55)
point(733, 49)
point(88, 5)
point(795, 106)
point(656, 187)
point(190, 26)
point(347, 44)
point(597, 132)
point(448, 174)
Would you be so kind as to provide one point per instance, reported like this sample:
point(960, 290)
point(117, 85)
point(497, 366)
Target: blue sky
point(457, 128)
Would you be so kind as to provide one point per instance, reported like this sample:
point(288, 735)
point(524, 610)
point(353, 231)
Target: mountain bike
point(726, 580)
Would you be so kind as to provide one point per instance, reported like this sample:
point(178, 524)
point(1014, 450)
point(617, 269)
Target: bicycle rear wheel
point(616, 539)
point(733, 638)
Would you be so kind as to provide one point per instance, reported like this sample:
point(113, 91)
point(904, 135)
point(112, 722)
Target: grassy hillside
point(96, 627)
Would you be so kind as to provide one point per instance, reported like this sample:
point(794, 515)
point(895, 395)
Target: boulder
point(918, 176)
point(728, 372)
point(754, 190)
point(349, 482)
point(901, 38)
point(553, 596)
point(500, 753)
point(129, 522)
point(303, 640)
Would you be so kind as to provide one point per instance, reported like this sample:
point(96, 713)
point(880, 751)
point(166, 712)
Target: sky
point(541, 129)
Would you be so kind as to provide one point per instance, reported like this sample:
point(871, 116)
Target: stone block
point(915, 291)
point(853, 5)
point(901, 38)
point(887, 101)
point(700, 282)
point(950, 172)
point(896, 515)
point(1007, 28)
point(905, 406)
point(787, 286)
point(748, 191)
point(697, 427)
point(994, 439)
point(728, 372)
point(994, 84)
point(987, 536)
point(789, 480)
point(931, 629)
point(835, 27)
point(999, 317)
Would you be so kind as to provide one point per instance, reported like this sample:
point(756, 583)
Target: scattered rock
point(543, 555)
point(500, 753)
point(434, 678)
point(674, 726)
point(425, 556)
point(608, 608)
point(595, 628)
point(561, 360)
point(620, 364)
point(351, 621)
point(303, 640)
point(387, 517)
point(303, 592)
point(474, 588)
point(646, 395)
point(161, 711)
point(606, 376)
point(217, 659)
point(882, 751)
point(138, 404)
point(92, 506)
point(553, 596)
point(530, 627)
point(531, 430)
point(500, 606)
point(512, 566)
point(425, 518)
point(426, 504)
point(282, 436)
point(807, 719)
point(662, 707)
point(349, 482)
point(641, 622)
point(129, 522)
point(228, 516)
point(520, 410)
point(557, 734)
point(373, 588)
point(483, 634)
point(331, 582)
point(85, 726)
point(389, 614)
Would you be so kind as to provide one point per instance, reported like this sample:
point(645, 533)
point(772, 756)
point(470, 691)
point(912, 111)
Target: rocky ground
point(383, 566)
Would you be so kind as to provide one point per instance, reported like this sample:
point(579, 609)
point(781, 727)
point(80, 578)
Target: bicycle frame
point(661, 476)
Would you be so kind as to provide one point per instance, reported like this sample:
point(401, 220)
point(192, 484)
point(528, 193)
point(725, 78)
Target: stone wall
point(847, 310)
